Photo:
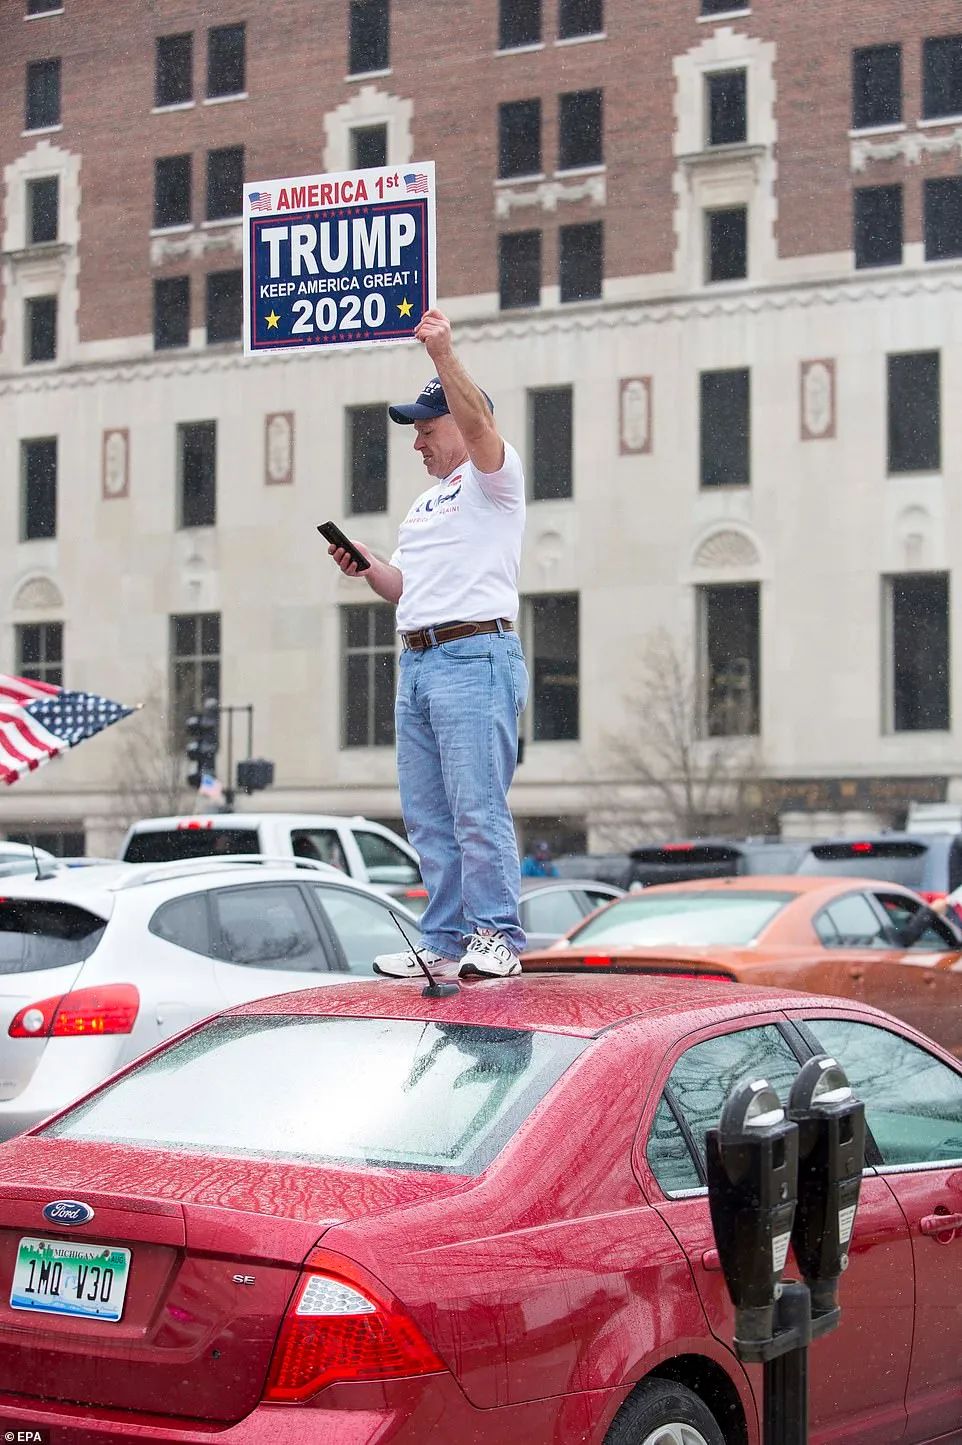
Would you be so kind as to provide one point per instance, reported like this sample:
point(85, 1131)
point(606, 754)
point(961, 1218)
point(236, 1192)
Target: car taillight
point(84, 1013)
point(931, 897)
point(596, 960)
point(342, 1326)
point(862, 848)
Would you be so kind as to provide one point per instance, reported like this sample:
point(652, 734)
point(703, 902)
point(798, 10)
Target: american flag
point(38, 721)
point(417, 183)
point(260, 201)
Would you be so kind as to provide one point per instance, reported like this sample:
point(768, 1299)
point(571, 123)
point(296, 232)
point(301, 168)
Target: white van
point(362, 849)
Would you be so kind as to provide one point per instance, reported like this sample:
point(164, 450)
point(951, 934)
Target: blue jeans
point(456, 716)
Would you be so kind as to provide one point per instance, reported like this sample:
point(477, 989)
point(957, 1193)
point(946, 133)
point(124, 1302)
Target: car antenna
point(36, 860)
point(433, 989)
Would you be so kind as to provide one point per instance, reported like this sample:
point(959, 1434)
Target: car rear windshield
point(355, 1091)
point(168, 845)
point(893, 862)
point(37, 934)
point(677, 862)
point(683, 918)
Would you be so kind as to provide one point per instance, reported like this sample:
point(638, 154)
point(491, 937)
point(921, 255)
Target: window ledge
point(580, 301)
point(582, 39)
point(42, 129)
point(924, 474)
point(175, 105)
point(940, 120)
point(38, 251)
point(942, 261)
point(223, 345)
point(226, 99)
point(722, 15)
point(178, 230)
point(522, 49)
point(220, 221)
point(869, 130)
point(714, 155)
point(531, 179)
point(43, 14)
point(879, 266)
point(595, 170)
point(368, 74)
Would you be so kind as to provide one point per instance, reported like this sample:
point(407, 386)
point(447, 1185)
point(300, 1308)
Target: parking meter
point(752, 1167)
point(831, 1156)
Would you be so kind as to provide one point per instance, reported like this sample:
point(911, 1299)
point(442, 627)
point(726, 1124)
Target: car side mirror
point(913, 930)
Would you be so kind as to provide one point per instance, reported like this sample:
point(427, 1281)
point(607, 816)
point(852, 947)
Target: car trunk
point(215, 1247)
point(602, 957)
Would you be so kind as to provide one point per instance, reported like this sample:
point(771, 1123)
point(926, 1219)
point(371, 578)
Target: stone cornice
point(909, 147)
point(581, 317)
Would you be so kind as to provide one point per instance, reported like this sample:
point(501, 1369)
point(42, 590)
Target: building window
point(943, 218)
point(62, 843)
point(519, 138)
point(368, 146)
point(580, 130)
point(519, 23)
point(726, 244)
point(171, 191)
point(197, 473)
point(942, 76)
point(726, 106)
point(369, 661)
point(40, 329)
point(914, 423)
point(194, 666)
point(43, 210)
point(725, 428)
point(174, 70)
point(551, 637)
point(519, 269)
point(918, 627)
point(722, 7)
point(38, 494)
point(728, 620)
point(226, 60)
point(369, 43)
point(171, 312)
point(225, 183)
point(366, 456)
point(580, 17)
point(581, 251)
point(550, 442)
point(877, 220)
point(43, 94)
point(43, 7)
point(40, 651)
point(876, 86)
point(225, 299)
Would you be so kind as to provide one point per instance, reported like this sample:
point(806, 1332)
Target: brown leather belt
point(450, 632)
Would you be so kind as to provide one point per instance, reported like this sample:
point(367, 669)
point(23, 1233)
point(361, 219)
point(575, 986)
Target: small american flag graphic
point(416, 183)
point(261, 201)
point(38, 721)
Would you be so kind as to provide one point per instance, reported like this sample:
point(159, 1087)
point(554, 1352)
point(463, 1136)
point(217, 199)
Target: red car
point(356, 1215)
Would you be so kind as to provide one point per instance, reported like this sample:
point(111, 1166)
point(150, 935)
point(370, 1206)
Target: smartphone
point(332, 533)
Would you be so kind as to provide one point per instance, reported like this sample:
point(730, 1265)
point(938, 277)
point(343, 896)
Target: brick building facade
point(706, 257)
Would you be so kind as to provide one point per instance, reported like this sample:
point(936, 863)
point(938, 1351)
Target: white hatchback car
point(99, 964)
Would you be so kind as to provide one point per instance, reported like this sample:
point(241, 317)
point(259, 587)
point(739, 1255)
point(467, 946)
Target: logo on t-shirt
point(440, 505)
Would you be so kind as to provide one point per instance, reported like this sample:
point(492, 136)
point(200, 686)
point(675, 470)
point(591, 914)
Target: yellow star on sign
point(272, 320)
point(405, 307)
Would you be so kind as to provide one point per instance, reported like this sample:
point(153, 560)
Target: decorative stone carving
point(914, 527)
point(38, 594)
point(817, 382)
point(547, 194)
point(115, 464)
point(192, 245)
point(909, 147)
point(279, 447)
point(369, 106)
point(727, 549)
point(549, 549)
point(634, 416)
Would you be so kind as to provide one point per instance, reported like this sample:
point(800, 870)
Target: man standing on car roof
point(463, 681)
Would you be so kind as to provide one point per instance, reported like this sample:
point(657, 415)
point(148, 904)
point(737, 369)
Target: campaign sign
point(338, 260)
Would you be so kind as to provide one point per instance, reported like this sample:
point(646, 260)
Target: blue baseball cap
point(430, 404)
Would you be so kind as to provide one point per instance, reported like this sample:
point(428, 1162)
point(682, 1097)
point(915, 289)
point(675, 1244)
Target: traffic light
point(203, 737)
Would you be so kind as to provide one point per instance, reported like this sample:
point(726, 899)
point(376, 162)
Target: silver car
point(98, 964)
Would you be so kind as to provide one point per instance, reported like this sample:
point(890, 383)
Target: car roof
point(550, 1002)
point(774, 882)
point(530, 883)
point(247, 820)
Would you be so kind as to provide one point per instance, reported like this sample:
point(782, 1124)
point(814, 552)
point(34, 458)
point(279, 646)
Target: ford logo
point(67, 1211)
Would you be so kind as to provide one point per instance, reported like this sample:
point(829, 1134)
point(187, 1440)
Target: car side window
point(913, 1102)
point(385, 861)
point(706, 1073)
point(903, 911)
point(268, 926)
point(595, 899)
point(321, 844)
point(669, 1157)
point(851, 922)
point(364, 926)
point(554, 911)
point(185, 922)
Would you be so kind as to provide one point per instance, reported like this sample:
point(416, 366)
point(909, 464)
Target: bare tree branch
point(149, 781)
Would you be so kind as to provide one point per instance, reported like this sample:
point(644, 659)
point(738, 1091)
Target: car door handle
point(711, 1259)
point(857, 973)
point(940, 1223)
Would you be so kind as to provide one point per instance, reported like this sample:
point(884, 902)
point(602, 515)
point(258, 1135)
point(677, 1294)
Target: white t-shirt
point(459, 548)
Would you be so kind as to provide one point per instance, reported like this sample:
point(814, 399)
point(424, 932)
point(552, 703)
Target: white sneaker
point(405, 965)
point(490, 953)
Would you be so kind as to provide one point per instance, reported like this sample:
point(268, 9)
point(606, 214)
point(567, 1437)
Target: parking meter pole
point(785, 1378)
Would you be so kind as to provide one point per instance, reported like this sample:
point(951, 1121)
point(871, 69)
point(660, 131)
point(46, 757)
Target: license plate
point(61, 1278)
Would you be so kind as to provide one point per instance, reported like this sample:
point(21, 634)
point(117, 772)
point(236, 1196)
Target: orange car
point(852, 937)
